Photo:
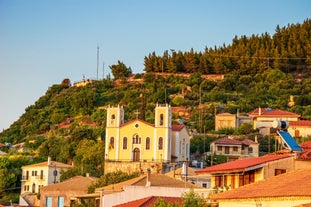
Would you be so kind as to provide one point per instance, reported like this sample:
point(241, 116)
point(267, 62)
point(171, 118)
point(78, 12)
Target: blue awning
point(289, 141)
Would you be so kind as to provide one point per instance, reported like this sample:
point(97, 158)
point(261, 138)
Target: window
point(219, 148)
point(147, 143)
point(124, 143)
point(61, 201)
point(160, 143)
point(235, 149)
point(41, 175)
point(250, 150)
point(204, 185)
point(48, 201)
point(136, 139)
point(33, 188)
point(220, 180)
point(161, 119)
point(279, 171)
point(27, 175)
point(111, 144)
point(227, 150)
point(113, 116)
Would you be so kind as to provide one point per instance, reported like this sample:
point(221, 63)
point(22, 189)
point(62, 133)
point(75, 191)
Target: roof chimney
point(148, 183)
point(259, 111)
point(49, 160)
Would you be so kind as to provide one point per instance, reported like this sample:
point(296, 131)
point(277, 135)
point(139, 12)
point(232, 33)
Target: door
point(136, 155)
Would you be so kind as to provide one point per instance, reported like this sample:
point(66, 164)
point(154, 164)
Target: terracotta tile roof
point(177, 127)
point(266, 112)
point(227, 141)
point(136, 120)
point(300, 123)
point(165, 181)
point(295, 183)
point(191, 172)
point(231, 141)
point(248, 142)
point(118, 187)
point(241, 164)
point(52, 163)
point(149, 201)
point(74, 183)
point(306, 145)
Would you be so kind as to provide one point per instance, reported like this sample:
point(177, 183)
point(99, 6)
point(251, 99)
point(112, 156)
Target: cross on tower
point(137, 113)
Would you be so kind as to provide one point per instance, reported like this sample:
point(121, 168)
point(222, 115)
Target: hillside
point(259, 71)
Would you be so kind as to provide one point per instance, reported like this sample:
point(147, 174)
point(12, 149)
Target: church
point(137, 145)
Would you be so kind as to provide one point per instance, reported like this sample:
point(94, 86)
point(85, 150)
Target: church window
point(111, 144)
point(147, 143)
point(160, 143)
point(124, 143)
point(161, 119)
point(136, 139)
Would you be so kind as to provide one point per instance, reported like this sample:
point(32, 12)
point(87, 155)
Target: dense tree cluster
point(287, 50)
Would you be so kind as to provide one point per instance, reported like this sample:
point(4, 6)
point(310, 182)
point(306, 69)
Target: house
point(137, 145)
point(150, 201)
point(150, 184)
point(241, 172)
point(37, 175)
point(225, 121)
point(286, 190)
point(62, 194)
point(300, 128)
point(234, 148)
point(263, 117)
point(188, 174)
point(230, 121)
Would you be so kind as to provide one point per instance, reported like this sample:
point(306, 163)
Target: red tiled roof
point(306, 145)
point(149, 201)
point(52, 163)
point(300, 123)
point(136, 120)
point(228, 141)
point(305, 155)
point(295, 183)
point(266, 112)
point(248, 142)
point(241, 164)
point(74, 183)
point(177, 127)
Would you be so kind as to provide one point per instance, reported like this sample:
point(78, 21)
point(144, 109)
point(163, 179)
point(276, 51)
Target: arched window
point(160, 143)
point(111, 144)
point(113, 116)
point(147, 143)
point(124, 143)
point(136, 139)
point(161, 119)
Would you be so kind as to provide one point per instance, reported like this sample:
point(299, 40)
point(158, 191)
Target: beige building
point(287, 190)
point(225, 121)
point(301, 128)
point(264, 117)
point(241, 172)
point(36, 176)
point(151, 184)
point(63, 194)
point(234, 148)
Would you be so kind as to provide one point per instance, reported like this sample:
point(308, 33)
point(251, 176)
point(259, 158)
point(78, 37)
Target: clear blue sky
point(43, 42)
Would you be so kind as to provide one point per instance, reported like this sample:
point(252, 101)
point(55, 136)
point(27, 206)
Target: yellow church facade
point(138, 141)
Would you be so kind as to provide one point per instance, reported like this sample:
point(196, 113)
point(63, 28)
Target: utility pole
point(97, 61)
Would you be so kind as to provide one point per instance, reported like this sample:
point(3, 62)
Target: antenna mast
point(97, 61)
